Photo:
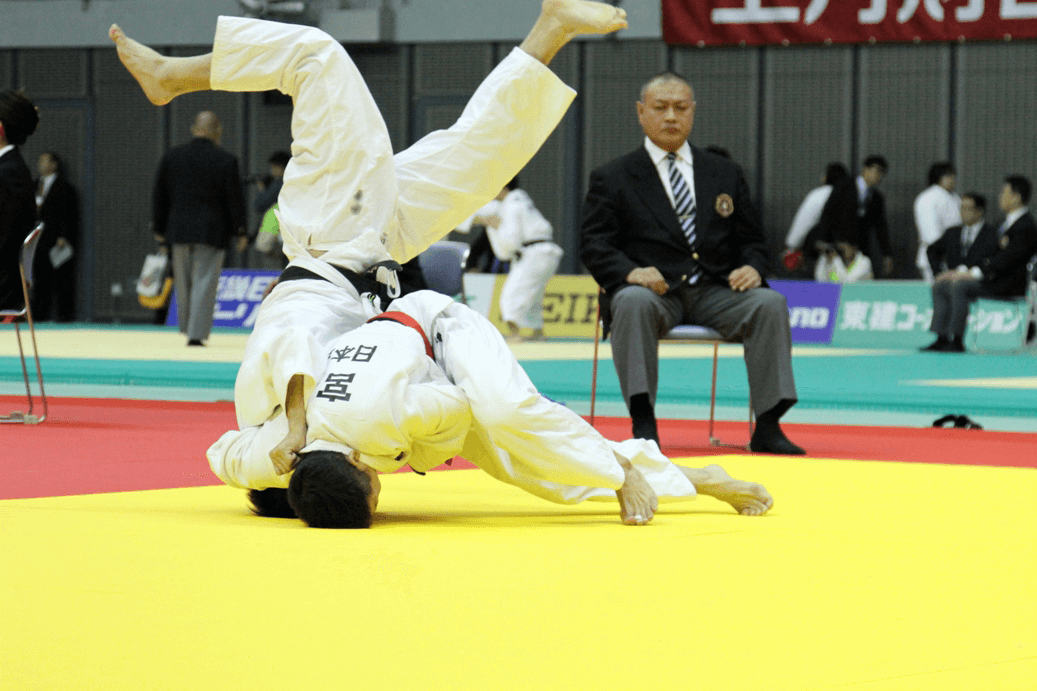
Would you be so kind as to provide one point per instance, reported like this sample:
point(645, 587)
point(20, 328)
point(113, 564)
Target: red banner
point(759, 22)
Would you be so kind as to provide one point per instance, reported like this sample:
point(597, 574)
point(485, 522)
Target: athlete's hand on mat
point(286, 454)
point(744, 278)
point(649, 277)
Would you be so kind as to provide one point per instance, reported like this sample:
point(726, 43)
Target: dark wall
point(783, 113)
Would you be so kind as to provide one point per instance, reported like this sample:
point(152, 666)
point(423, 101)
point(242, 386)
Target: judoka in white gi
point(347, 204)
point(441, 382)
point(520, 234)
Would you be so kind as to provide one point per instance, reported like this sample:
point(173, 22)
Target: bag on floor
point(155, 282)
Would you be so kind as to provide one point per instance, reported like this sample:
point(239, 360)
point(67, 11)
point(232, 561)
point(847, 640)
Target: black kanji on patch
point(336, 387)
point(364, 353)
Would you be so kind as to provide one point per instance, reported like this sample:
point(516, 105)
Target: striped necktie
point(684, 205)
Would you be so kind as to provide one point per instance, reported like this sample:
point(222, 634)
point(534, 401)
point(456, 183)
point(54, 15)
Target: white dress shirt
point(807, 216)
point(662, 166)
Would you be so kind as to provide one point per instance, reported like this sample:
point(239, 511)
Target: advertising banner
point(812, 309)
point(761, 22)
point(884, 314)
point(237, 298)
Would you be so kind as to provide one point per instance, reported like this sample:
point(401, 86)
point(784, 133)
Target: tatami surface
point(867, 574)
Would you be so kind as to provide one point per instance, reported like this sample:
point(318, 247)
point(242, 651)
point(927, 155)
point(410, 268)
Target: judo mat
point(895, 557)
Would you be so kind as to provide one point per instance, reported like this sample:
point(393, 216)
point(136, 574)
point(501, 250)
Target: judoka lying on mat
point(425, 381)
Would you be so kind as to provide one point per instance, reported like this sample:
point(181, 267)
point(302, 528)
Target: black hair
point(513, 184)
point(938, 170)
point(978, 200)
point(280, 158)
point(327, 491)
point(876, 160)
point(1020, 185)
point(835, 173)
point(19, 116)
point(270, 503)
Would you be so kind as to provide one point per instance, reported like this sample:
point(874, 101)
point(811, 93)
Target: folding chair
point(682, 333)
point(442, 265)
point(25, 268)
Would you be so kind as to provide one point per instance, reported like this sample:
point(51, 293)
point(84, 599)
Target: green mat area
point(125, 372)
point(889, 382)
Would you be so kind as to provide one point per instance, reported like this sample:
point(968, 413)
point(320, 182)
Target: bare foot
point(286, 454)
point(747, 498)
point(562, 20)
point(146, 66)
point(576, 17)
point(637, 500)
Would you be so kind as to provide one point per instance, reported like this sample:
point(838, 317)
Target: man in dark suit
point(962, 247)
point(1000, 271)
point(856, 213)
point(672, 235)
point(199, 204)
point(18, 119)
point(58, 207)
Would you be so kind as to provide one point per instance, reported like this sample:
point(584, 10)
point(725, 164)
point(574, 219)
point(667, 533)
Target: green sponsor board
point(896, 314)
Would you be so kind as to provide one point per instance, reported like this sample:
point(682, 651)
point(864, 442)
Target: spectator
point(963, 246)
point(1001, 273)
point(57, 204)
point(809, 214)
point(937, 208)
point(520, 234)
point(856, 212)
point(671, 233)
point(843, 263)
point(199, 205)
point(18, 120)
point(269, 186)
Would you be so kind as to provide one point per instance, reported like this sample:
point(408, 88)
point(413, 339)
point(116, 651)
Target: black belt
point(364, 283)
point(534, 242)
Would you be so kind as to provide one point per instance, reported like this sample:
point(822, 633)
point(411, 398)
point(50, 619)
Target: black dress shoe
point(955, 346)
point(195, 342)
point(938, 346)
point(774, 441)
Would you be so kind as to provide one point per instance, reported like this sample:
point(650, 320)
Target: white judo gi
point(346, 195)
point(474, 399)
point(526, 237)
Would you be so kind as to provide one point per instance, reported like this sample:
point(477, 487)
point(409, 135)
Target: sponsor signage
point(237, 298)
point(812, 309)
point(884, 314)
point(783, 22)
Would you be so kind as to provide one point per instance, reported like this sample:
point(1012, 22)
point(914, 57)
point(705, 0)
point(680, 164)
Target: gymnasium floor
point(896, 557)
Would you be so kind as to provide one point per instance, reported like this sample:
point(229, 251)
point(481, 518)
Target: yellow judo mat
point(865, 575)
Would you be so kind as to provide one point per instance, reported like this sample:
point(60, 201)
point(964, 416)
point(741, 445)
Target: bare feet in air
point(562, 20)
point(747, 498)
point(286, 454)
point(146, 66)
point(577, 17)
point(637, 500)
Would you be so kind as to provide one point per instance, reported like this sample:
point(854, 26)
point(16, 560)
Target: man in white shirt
point(1003, 273)
point(936, 209)
point(808, 215)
